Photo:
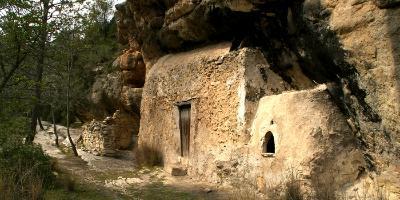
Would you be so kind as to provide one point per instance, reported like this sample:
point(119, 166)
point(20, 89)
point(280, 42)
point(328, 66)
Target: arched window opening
point(269, 143)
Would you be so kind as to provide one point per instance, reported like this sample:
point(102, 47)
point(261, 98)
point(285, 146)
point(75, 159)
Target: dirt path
point(118, 177)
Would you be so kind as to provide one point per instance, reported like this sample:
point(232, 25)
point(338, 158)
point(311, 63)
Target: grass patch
point(82, 191)
point(112, 175)
point(70, 187)
point(158, 191)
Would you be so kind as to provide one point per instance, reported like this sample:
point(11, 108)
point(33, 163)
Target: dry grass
point(25, 172)
point(325, 190)
point(148, 156)
point(378, 193)
point(244, 193)
point(292, 189)
point(30, 188)
point(288, 189)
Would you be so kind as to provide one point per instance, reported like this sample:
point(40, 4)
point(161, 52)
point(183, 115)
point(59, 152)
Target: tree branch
point(3, 70)
point(18, 61)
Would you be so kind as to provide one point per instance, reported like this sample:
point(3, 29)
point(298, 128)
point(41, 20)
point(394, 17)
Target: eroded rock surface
point(369, 37)
point(114, 109)
point(274, 46)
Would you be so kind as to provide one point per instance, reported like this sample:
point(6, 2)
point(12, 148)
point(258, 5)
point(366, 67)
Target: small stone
point(178, 172)
point(219, 61)
point(220, 165)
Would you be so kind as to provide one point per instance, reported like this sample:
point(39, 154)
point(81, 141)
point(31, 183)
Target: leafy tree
point(39, 39)
point(16, 41)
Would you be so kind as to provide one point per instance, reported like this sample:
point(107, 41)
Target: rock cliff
point(352, 46)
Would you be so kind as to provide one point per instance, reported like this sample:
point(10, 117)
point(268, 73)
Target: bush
point(292, 189)
point(148, 156)
point(25, 171)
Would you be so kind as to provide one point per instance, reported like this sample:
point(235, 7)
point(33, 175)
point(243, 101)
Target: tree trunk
point(31, 135)
point(39, 70)
point(54, 126)
point(68, 90)
point(40, 123)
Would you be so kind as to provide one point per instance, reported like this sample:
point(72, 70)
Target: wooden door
point(184, 126)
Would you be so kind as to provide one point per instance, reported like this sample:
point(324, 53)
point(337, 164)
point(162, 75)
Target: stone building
point(224, 115)
point(307, 86)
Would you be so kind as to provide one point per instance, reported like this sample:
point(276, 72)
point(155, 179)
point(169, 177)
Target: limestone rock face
point(387, 3)
point(131, 99)
point(370, 37)
point(115, 98)
point(164, 26)
point(109, 94)
point(115, 114)
point(105, 95)
point(353, 47)
point(132, 67)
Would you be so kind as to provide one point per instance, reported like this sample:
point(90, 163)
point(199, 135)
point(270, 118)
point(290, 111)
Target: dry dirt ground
point(119, 178)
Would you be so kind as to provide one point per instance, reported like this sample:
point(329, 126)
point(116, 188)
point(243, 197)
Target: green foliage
point(25, 171)
point(78, 35)
point(81, 36)
point(11, 128)
point(78, 32)
point(86, 42)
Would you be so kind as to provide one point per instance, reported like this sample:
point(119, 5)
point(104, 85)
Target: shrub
point(292, 189)
point(289, 188)
point(24, 169)
point(148, 156)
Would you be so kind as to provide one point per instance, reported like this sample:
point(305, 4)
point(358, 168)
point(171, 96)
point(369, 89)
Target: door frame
point(193, 129)
point(185, 148)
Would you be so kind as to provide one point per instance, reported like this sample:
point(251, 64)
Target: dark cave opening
point(269, 143)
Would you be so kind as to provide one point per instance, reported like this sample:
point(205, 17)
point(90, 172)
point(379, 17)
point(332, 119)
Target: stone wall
point(208, 78)
point(213, 80)
point(110, 135)
point(235, 100)
point(98, 139)
point(312, 139)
